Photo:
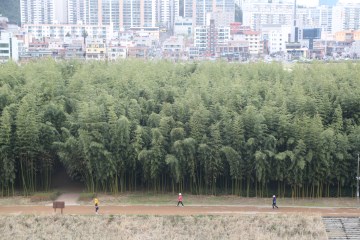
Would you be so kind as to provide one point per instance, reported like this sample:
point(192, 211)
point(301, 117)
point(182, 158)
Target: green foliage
point(198, 127)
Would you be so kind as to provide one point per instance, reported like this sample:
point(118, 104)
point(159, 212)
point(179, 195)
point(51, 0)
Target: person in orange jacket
point(180, 199)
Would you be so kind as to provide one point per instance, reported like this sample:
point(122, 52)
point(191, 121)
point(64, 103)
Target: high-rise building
point(317, 17)
point(198, 9)
point(168, 11)
point(122, 14)
point(76, 11)
point(61, 13)
point(346, 16)
point(37, 11)
point(260, 12)
point(207, 38)
point(137, 13)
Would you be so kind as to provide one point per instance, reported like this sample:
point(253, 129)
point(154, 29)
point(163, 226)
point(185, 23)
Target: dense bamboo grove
point(205, 128)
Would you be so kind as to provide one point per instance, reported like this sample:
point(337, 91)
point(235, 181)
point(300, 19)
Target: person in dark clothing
point(274, 202)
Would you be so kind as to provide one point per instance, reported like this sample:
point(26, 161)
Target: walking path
point(173, 210)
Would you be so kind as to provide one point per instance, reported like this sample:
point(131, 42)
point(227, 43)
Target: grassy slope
point(258, 227)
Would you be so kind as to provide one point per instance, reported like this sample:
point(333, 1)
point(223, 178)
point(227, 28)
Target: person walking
point(96, 201)
point(274, 202)
point(180, 199)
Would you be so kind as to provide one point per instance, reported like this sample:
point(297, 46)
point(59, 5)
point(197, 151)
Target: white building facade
point(275, 37)
point(346, 17)
point(8, 47)
point(198, 9)
point(206, 37)
point(61, 31)
point(259, 12)
point(183, 26)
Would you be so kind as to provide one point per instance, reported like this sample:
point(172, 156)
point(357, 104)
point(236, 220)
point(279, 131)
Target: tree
point(27, 142)
point(7, 160)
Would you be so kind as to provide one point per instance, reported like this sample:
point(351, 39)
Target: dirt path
point(173, 210)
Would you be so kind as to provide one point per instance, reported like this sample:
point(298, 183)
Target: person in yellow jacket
point(96, 201)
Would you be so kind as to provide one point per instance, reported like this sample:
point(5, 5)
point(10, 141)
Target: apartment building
point(173, 48)
point(233, 50)
point(275, 37)
point(123, 14)
point(255, 42)
point(117, 52)
point(183, 26)
point(40, 31)
point(221, 18)
point(258, 12)
point(207, 38)
point(198, 9)
point(37, 11)
point(96, 50)
point(315, 17)
point(344, 36)
point(346, 17)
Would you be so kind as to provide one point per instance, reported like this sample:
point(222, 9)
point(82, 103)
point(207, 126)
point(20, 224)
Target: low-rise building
point(275, 37)
point(296, 51)
point(138, 52)
point(344, 36)
point(74, 49)
point(8, 47)
point(255, 42)
point(117, 52)
point(173, 47)
point(233, 50)
point(183, 26)
point(96, 50)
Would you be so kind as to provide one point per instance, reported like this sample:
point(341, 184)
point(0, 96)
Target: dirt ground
point(173, 210)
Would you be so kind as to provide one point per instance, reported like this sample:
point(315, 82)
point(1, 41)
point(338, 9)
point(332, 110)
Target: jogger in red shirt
point(180, 198)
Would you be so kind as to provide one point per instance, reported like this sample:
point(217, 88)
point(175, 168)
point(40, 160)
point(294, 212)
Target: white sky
point(312, 3)
point(349, 1)
point(308, 3)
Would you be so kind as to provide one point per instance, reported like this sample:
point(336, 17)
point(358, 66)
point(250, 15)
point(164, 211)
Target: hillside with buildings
point(10, 9)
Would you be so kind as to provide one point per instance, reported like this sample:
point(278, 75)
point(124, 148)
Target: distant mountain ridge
point(11, 10)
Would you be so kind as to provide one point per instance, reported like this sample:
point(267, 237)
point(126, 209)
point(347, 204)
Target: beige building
point(344, 36)
point(254, 40)
point(96, 50)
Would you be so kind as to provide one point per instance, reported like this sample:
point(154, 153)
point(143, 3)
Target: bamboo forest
point(202, 128)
